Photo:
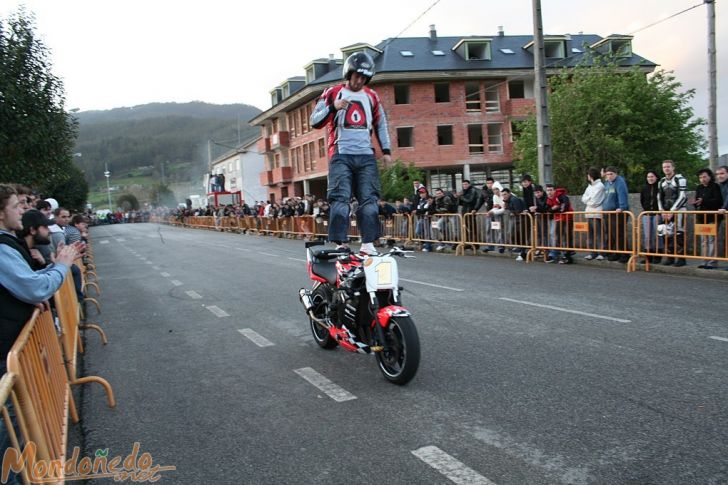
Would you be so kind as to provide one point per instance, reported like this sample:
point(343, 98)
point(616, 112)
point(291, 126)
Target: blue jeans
point(357, 175)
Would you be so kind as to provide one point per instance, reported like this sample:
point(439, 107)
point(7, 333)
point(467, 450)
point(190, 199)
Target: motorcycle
point(355, 303)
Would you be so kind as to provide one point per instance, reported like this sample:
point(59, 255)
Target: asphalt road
point(530, 373)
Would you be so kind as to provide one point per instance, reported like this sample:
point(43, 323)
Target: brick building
point(450, 102)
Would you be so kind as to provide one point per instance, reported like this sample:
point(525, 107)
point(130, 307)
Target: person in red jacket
point(562, 222)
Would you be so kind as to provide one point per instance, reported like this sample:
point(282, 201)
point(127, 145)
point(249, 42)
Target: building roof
point(422, 58)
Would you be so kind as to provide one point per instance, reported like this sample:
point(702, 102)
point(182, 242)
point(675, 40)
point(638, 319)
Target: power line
point(666, 18)
point(411, 24)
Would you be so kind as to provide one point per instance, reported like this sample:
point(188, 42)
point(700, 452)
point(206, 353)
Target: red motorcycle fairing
point(314, 276)
point(386, 313)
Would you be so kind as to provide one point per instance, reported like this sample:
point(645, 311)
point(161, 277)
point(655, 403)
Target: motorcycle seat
point(326, 270)
point(326, 254)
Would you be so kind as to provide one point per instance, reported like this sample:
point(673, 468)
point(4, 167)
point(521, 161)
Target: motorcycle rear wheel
point(321, 298)
point(401, 357)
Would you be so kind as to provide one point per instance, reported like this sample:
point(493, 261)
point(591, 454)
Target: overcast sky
point(123, 53)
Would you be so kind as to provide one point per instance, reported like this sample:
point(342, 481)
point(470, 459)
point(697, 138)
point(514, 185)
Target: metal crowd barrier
point(445, 229)
point(682, 235)
point(396, 228)
point(496, 231)
point(611, 233)
point(8, 404)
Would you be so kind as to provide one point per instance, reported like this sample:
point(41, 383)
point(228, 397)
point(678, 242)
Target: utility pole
point(540, 88)
point(712, 91)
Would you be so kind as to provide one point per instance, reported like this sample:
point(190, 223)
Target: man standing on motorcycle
point(352, 111)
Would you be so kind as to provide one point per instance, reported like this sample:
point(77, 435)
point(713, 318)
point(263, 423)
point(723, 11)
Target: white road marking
point(722, 339)
point(194, 295)
point(453, 469)
point(432, 284)
point(566, 310)
point(255, 337)
point(176, 282)
point(337, 393)
point(219, 312)
point(269, 254)
point(104, 241)
point(297, 259)
point(243, 249)
point(120, 239)
point(166, 275)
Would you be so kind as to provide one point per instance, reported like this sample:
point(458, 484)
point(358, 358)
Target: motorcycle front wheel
point(400, 358)
point(321, 298)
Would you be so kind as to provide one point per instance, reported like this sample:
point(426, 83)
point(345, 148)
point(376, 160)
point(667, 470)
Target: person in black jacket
point(527, 185)
point(517, 231)
point(471, 199)
point(425, 209)
point(538, 210)
point(707, 198)
point(445, 203)
point(648, 200)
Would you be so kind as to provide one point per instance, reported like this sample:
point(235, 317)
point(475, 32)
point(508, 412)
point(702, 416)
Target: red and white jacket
point(351, 130)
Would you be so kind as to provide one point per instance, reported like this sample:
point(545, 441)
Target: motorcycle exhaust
point(305, 296)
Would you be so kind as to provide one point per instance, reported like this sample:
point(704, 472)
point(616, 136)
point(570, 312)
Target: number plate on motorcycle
point(381, 273)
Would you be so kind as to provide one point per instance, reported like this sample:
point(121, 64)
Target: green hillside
point(156, 142)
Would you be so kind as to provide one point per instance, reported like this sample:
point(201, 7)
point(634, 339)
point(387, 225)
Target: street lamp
point(107, 174)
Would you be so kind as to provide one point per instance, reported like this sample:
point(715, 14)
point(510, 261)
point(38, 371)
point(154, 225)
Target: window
point(574, 50)
point(294, 156)
point(475, 138)
point(476, 51)
point(442, 181)
point(472, 96)
point(286, 91)
point(515, 130)
point(406, 53)
point(312, 154)
point(306, 159)
point(492, 100)
point(442, 92)
point(516, 89)
point(554, 49)
point(404, 137)
point(305, 115)
point(438, 53)
point(277, 160)
point(495, 138)
point(507, 51)
point(322, 148)
point(299, 152)
point(310, 74)
point(275, 125)
point(444, 135)
point(622, 48)
point(401, 94)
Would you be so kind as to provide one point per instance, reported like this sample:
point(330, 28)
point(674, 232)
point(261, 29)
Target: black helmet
point(360, 62)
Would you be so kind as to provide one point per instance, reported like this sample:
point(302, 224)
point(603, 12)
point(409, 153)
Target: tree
point(160, 194)
point(396, 180)
point(36, 134)
point(601, 116)
point(128, 202)
point(72, 192)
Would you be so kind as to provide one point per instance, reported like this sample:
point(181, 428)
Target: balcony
point(266, 178)
point(263, 145)
point(520, 106)
point(281, 175)
point(280, 139)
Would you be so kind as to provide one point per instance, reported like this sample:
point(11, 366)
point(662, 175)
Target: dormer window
point(473, 49)
point(554, 49)
point(615, 45)
point(621, 48)
point(286, 91)
point(310, 74)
